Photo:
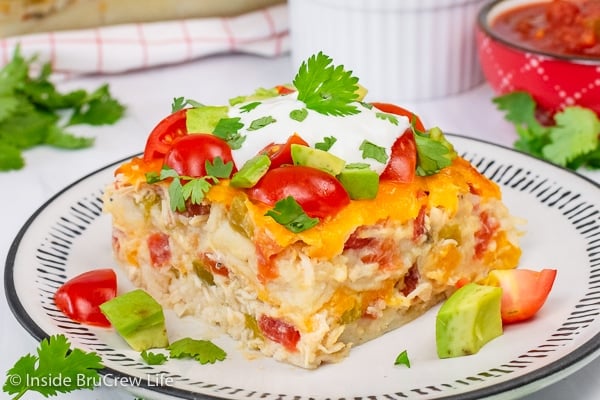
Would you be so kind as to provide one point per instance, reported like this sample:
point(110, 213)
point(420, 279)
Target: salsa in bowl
point(549, 48)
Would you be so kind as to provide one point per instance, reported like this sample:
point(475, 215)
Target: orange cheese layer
point(394, 201)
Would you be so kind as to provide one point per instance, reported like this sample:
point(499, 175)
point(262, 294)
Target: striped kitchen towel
point(121, 48)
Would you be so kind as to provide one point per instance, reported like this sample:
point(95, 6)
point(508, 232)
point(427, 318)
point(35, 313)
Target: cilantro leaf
point(99, 108)
point(289, 213)
point(326, 144)
point(180, 103)
point(218, 168)
point(194, 189)
point(371, 150)
point(228, 130)
point(203, 351)
point(261, 123)
point(10, 157)
point(576, 133)
point(153, 358)
point(402, 359)
point(387, 117)
point(34, 112)
point(250, 106)
point(573, 141)
point(299, 115)
point(434, 152)
point(55, 358)
point(325, 88)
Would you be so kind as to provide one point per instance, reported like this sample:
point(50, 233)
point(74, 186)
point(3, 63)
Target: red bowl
point(554, 81)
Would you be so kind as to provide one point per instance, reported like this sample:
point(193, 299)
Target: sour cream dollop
point(350, 131)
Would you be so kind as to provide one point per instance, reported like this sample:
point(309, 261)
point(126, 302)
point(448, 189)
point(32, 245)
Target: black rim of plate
point(585, 352)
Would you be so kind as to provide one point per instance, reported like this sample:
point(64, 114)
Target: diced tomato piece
point(216, 267)
point(524, 291)
point(159, 248)
point(80, 297)
point(279, 331)
point(484, 235)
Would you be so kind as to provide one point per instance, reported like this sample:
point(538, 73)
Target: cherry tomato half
point(403, 160)
point(281, 153)
point(164, 134)
point(524, 291)
point(319, 194)
point(80, 297)
point(188, 154)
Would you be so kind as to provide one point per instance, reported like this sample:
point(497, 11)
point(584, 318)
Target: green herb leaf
point(218, 168)
point(434, 151)
point(180, 103)
point(573, 141)
point(33, 112)
point(575, 134)
point(98, 108)
point(55, 358)
point(299, 115)
point(203, 351)
point(228, 130)
point(393, 119)
point(176, 197)
point(326, 144)
point(153, 358)
point(371, 150)
point(325, 88)
point(261, 123)
point(289, 213)
point(402, 359)
point(250, 106)
point(194, 189)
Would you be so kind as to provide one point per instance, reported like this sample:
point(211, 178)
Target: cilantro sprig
point(195, 188)
point(203, 351)
point(573, 141)
point(34, 112)
point(75, 369)
point(289, 213)
point(434, 151)
point(325, 88)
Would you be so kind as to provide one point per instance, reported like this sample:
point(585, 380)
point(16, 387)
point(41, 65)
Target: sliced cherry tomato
point(279, 331)
point(403, 161)
point(394, 109)
point(80, 297)
point(281, 153)
point(319, 194)
point(164, 134)
point(524, 291)
point(188, 154)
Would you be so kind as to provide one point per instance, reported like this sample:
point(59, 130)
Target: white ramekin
point(400, 49)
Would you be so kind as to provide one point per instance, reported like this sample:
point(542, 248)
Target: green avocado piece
point(468, 320)
point(251, 172)
point(138, 318)
point(204, 119)
point(319, 159)
point(360, 183)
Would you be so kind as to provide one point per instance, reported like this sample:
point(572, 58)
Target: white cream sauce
point(350, 131)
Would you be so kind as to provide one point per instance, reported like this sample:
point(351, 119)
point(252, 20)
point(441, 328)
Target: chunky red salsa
point(564, 27)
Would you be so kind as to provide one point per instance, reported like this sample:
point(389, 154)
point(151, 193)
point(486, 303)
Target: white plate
point(69, 235)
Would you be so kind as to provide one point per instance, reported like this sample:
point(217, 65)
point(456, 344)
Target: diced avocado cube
point(360, 183)
point(204, 119)
point(319, 159)
point(138, 318)
point(251, 172)
point(468, 320)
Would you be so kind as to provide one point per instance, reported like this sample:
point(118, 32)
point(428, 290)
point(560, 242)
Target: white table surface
point(213, 80)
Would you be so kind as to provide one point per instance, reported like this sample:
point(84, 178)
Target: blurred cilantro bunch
point(571, 141)
point(33, 112)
